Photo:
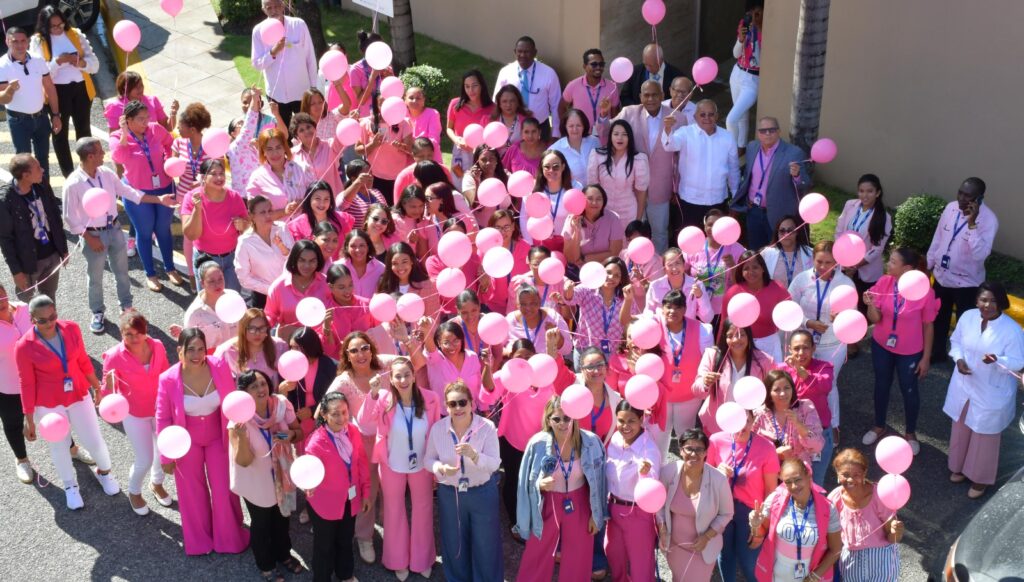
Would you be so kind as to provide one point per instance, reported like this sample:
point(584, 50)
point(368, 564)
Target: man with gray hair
point(652, 67)
point(104, 241)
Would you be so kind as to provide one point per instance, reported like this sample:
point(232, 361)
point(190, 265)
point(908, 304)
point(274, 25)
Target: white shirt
point(560, 216)
point(654, 126)
point(258, 264)
point(804, 290)
point(622, 468)
point(709, 168)
point(75, 187)
point(577, 160)
point(29, 96)
point(545, 90)
point(398, 440)
point(67, 72)
point(294, 69)
point(688, 110)
point(202, 405)
point(201, 315)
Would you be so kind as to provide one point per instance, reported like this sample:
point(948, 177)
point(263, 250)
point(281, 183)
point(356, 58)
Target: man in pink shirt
point(591, 93)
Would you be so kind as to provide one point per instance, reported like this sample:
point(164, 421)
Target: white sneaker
point(74, 498)
point(366, 552)
point(869, 438)
point(109, 484)
point(915, 446)
point(304, 517)
point(131, 246)
point(83, 456)
point(24, 472)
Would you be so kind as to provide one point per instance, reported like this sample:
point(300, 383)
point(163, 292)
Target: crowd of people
point(403, 411)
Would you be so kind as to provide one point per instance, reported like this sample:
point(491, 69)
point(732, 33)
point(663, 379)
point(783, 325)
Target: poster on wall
point(385, 7)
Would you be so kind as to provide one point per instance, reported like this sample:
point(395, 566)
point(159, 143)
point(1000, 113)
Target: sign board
point(385, 7)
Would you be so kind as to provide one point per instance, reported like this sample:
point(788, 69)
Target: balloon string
point(861, 539)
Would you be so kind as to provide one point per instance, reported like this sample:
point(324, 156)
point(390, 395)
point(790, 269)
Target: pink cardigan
point(329, 497)
point(132, 380)
point(382, 412)
point(170, 396)
point(760, 365)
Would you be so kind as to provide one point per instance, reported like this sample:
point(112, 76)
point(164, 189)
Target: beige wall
point(625, 33)
point(923, 93)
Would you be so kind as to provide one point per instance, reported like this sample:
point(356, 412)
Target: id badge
point(413, 461)
point(567, 506)
point(156, 182)
point(800, 571)
point(945, 262)
point(69, 386)
point(891, 342)
point(463, 484)
point(757, 199)
point(351, 493)
point(817, 337)
point(677, 376)
point(606, 346)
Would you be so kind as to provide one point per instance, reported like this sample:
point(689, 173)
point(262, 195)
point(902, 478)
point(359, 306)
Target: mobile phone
point(747, 20)
point(282, 435)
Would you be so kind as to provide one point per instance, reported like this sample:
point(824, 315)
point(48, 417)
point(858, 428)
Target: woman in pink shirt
point(713, 266)
point(306, 393)
point(871, 533)
point(594, 235)
point(495, 293)
point(753, 278)
point(346, 311)
point(622, 367)
point(471, 270)
point(132, 369)
point(189, 146)
point(410, 219)
point(449, 359)
point(130, 87)
point(486, 164)
point(325, 235)
point(473, 105)
point(813, 381)
point(722, 366)
point(327, 113)
point(511, 112)
point(698, 305)
point(444, 203)
point(867, 217)
point(279, 177)
point(550, 295)
point(593, 375)
point(600, 322)
point(253, 348)
point(364, 79)
point(364, 269)
point(403, 273)
point(318, 156)
point(380, 226)
point(360, 194)
point(623, 172)
point(424, 121)
point(792, 423)
point(386, 148)
point(526, 154)
point(213, 217)
point(303, 277)
point(318, 206)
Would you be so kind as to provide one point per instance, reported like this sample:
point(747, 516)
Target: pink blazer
point(383, 413)
point(170, 396)
point(328, 499)
point(132, 380)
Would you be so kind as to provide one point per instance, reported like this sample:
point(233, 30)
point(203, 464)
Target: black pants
point(332, 546)
point(74, 106)
point(511, 459)
point(268, 535)
point(287, 110)
point(258, 300)
point(14, 423)
point(685, 214)
point(963, 298)
point(387, 188)
point(545, 136)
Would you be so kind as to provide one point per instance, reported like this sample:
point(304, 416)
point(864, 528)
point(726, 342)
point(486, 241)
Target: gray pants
point(36, 284)
point(657, 217)
point(115, 251)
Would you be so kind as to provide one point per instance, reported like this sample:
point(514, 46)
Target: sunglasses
point(596, 64)
point(694, 450)
point(461, 403)
point(560, 419)
point(362, 348)
point(44, 320)
point(378, 220)
point(767, 130)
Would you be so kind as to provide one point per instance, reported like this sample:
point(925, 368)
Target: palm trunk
point(309, 11)
point(402, 38)
point(809, 72)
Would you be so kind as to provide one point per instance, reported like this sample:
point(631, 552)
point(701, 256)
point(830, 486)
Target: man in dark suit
point(773, 182)
point(653, 67)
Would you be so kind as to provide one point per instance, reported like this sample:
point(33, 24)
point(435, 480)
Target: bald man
point(678, 93)
point(651, 67)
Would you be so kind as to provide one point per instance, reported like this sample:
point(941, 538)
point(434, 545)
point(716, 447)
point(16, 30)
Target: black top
point(18, 242)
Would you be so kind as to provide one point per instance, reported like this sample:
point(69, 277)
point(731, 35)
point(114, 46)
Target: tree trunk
point(809, 72)
point(402, 39)
point(309, 11)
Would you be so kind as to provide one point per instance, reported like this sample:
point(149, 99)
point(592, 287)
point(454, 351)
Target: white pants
point(681, 416)
point(141, 433)
point(836, 355)
point(771, 345)
point(83, 420)
point(743, 87)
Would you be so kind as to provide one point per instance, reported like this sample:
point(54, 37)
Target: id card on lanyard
point(594, 99)
point(567, 505)
point(607, 317)
point(737, 467)
point(897, 304)
point(348, 468)
point(463, 480)
point(62, 355)
point(957, 228)
point(800, 569)
point(821, 296)
point(765, 168)
point(536, 331)
point(144, 146)
point(677, 352)
point(409, 419)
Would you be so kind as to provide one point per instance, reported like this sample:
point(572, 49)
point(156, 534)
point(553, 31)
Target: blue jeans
point(115, 251)
point(904, 368)
point(821, 465)
point(657, 217)
point(735, 551)
point(471, 532)
point(600, 560)
point(227, 265)
point(759, 232)
point(149, 219)
point(31, 135)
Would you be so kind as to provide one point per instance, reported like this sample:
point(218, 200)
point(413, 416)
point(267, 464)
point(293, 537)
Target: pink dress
point(620, 186)
point(685, 563)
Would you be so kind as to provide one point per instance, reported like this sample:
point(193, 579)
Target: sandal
point(271, 576)
point(976, 491)
point(957, 477)
point(154, 284)
point(293, 566)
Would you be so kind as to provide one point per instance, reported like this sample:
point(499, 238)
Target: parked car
point(82, 14)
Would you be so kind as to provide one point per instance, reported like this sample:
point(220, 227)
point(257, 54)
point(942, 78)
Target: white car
point(82, 14)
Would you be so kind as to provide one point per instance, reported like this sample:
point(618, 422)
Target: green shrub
point(239, 15)
point(433, 82)
point(916, 220)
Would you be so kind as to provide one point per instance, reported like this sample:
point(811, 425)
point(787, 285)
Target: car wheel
point(82, 14)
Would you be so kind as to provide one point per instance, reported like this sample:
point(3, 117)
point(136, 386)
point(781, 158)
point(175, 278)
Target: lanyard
point(677, 349)
point(98, 179)
point(779, 434)
point(62, 355)
point(595, 417)
point(348, 463)
point(566, 471)
point(608, 315)
point(455, 441)
point(544, 297)
point(790, 268)
point(957, 227)
point(897, 304)
point(536, 332)
point(408, 418)
point(798, 528)
point(193, 159)
point(712, 267)
point(821, 294)
point(558, 202)
point(145, 150)
point(508, 278)
point(469, 338)
point(858, 222)
point(594, 99)
point(738, 465)
point(761, 164)
point(437, 227)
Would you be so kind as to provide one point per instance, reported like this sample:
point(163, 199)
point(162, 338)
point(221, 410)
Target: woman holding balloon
point(546, 273)
point(722, 366)
point(254, 348)
point(526, 154)
point(594, 234)
point(599, 324)
point(202, 313)
point(753, 280)
point(554, 180)
point(261, 251)
point(791, 423)
point(713, 265)
point(449, 359)
point(473, 106)
point(303, 277)
point(306, 390)
point(213, 217)
point(868, 218)
point(359, 195)
point(486, 164)
point(345, 311)
point(675, 278)
point(364, 269)
point(386, 143)
point(403, 273)
point(593, 375)
point(813, 380)
point(511, 111)
point(495, 292)
point(279, 177)
point(318, 156)
point(318, 206)
point(532, 322)
point(789, 252)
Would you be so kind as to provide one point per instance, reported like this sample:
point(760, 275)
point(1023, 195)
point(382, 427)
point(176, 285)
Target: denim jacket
point(528, 509)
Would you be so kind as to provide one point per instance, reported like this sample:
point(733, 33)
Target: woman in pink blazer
point(409, 412)
point(189, 395)
point(721, 366)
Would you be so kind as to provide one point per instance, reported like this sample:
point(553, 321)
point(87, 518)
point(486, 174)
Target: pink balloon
point(645, 333)
point(788, 315)
point(310, 311)
point(537, 205)
point(620, 70)
point(348, 131)
point(97, 202)
point(410, 307)
point(517, 375)
point(520, 183)
point(893, 491)
point(593, 275)
point(175, 167)
point(577, 401)
point(293, 365)
point(454, 249)
point(731, 417)
point(127, 35)
point(334, 65)
point(495, 134)
point(640, 250)
point(705, 69)
point(574, 201)
point(393, 110)
point(491, 192)
point(749, 392)
point(230, 307)
point(493, 329)
point(842, 298)
point(653, 11)
point(691, 239)
point(913, 285)
point(642, 392)
point(850, 326)
point(392, 87)
point(271, 31)
point(451, 282)
point(498, 262)
point(114, 408)
point(726, 230)
point(824, 151)
point(744, 309)
point(551, 271)
point(53, 427)
point(540, 229)
point(487, 239)
point(474, 136)
point(545, 370)
point(813, 208)
point(383, 307)
point(650, 365)
point(173, 442)
point(216, 142)
point(848, 249)
point(650, 494)
point(307, 472)
point(239, 406)
point(172, 7)
point(894, 454)
point(378, 56)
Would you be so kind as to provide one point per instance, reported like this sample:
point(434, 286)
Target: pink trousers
point(538, 560)
point(211, 515)
point(629, 543)
point(399, 552)
point(973, 454)
point(366, 521)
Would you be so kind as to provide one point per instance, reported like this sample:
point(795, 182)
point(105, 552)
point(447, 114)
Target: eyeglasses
point(767, 130)
point(461, 403)
point(596, 64)
point(378, 220)
point(594, 367)
point(57, 26)
point(786, 230)
point(257, 329)
point(694, 450)
point(506, 228)
point(553, 167)
point(560, 419)
point(362, 348)
point(42, 320)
